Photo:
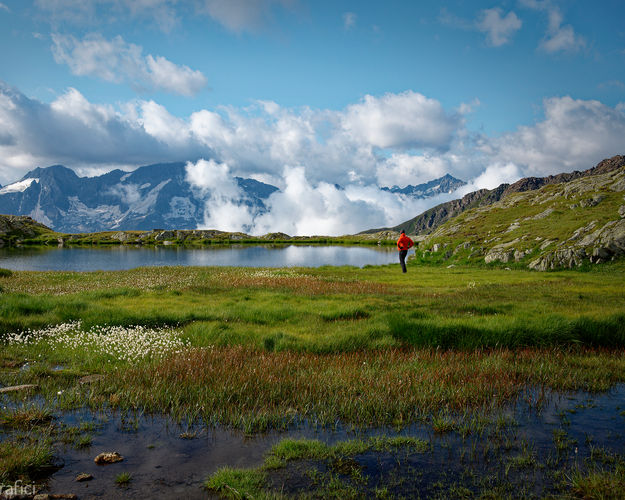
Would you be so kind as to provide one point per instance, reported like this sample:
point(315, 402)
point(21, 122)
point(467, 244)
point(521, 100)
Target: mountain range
point(153, 196)
point(445, 184)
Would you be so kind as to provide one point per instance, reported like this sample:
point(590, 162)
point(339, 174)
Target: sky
point(309, 94)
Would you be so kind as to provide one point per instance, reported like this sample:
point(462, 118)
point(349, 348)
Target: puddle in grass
point(165, 465)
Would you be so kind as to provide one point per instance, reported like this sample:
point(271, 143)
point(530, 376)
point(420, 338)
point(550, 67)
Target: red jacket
point(404, 243)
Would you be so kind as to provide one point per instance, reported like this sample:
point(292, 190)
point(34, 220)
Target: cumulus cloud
point(494, 175)
point(349, 20)
point(116, 61)
point(301, 207)
point(499, 29)
point(224, 208)
point(575, 134)
point(76, 132)
point(406, 120)
point(558, 38)
point(402, 169)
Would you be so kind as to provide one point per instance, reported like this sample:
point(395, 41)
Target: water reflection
point(122, 257)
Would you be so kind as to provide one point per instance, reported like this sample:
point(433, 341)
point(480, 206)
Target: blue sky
point(363, 93)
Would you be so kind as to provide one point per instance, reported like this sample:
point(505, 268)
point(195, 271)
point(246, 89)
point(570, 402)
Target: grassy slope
point(552, 213)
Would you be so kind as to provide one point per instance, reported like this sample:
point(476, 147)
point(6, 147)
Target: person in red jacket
point(403, 244)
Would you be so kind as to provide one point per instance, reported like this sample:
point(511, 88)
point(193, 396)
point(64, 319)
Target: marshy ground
point(461, 382)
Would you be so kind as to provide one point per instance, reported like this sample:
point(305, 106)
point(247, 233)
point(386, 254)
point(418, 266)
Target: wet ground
point(529, 450)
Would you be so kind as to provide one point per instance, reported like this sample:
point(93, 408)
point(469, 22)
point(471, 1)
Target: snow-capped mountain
point(445, 184)
point(154, 196)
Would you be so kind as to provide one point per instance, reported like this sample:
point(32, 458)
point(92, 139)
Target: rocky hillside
point(570, 219)
point(16, 228)
point(429, 220)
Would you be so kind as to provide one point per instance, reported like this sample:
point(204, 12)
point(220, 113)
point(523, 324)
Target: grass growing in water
point(260, 349)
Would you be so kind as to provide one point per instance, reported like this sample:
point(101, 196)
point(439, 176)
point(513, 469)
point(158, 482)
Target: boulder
point(108, 457)
point(498, 254)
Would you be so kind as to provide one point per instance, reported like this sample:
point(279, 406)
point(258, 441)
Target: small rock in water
point(84, 477)
point(89, 379)
point(108, 457)
point(17, 388)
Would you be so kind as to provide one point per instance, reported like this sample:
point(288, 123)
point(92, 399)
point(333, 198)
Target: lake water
point(122, 257)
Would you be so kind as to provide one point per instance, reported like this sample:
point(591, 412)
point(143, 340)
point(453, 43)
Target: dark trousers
point(402, 259)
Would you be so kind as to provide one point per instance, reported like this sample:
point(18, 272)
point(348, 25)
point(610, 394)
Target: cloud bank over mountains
point(393, 139)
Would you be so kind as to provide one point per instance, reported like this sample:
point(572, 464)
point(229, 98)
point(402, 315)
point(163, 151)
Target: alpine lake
point(292, 371)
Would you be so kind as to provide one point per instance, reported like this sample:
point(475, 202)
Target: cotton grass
point(121, 343)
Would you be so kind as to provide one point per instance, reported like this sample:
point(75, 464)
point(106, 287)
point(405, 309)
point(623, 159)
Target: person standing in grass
point(403, 244)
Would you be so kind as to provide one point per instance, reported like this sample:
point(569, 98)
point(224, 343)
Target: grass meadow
point(260, 349)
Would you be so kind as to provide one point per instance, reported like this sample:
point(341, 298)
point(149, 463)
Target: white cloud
point(73, 131)
point(116, 61)
point(499, 29)
point(223, 208)
point(349, 20)
point(575, 134)
point(243, 15)
point(301, 207)
point(402, 169)
point(4, 7)
point(493, 176)
point(561, 38)
point(558, 37)
point(406, 120)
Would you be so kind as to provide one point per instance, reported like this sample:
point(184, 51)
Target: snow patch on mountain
point(149, 200)
point(180, 208)
point(18, 187)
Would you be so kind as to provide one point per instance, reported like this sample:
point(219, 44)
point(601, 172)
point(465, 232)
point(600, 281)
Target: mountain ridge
point(444, 184)
point(151, 196)
point(559, 225)
point(427, 222)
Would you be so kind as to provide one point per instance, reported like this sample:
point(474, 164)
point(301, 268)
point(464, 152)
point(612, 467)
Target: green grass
point(253, 483)
point(25, 418)
point(598, 483)
point(266, 347)
point(123, 479)
point(24, 460)
point(334, 309)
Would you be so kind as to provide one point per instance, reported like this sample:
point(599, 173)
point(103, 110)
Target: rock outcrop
point(15, 228)
point(559, 225)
